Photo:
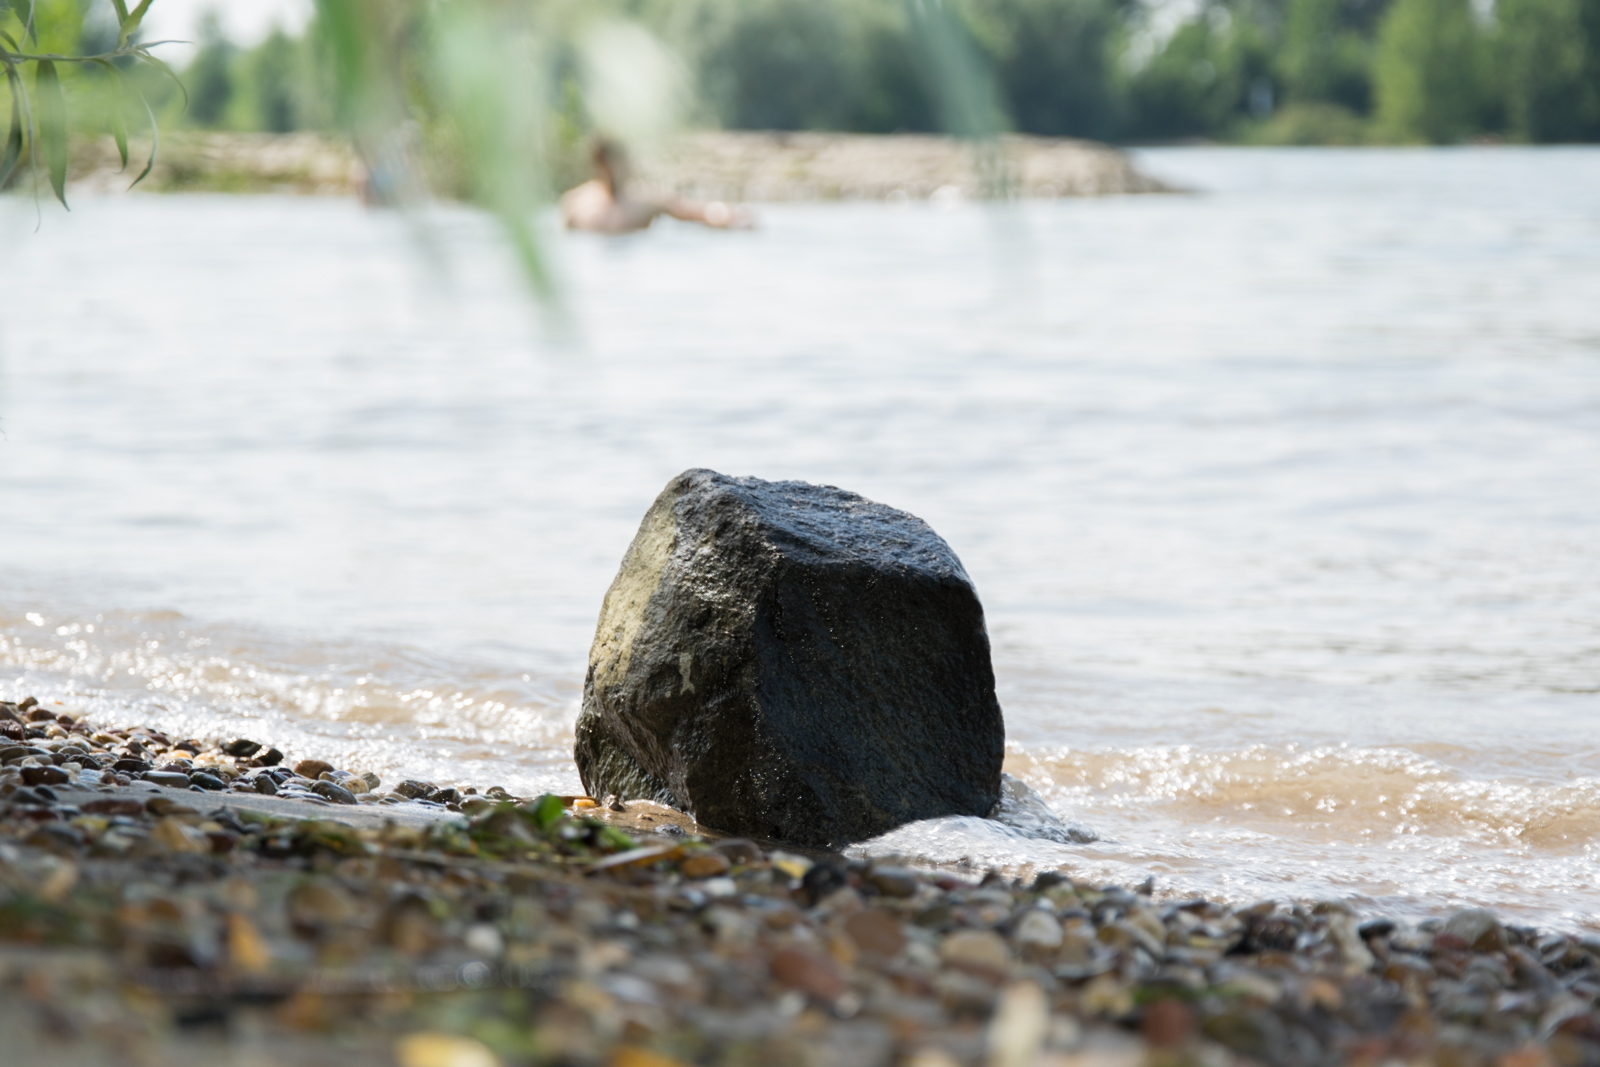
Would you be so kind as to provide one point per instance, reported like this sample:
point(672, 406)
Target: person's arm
point(715, 214)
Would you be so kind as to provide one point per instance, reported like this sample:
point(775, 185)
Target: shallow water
point(1281, 496)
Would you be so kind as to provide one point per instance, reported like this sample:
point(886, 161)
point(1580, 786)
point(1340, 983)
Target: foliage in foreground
point(58, 37)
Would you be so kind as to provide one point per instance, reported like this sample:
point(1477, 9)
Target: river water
point(1283, 497)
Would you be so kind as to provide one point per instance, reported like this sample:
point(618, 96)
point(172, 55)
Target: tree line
point(1265, 71)
point(1125, 71)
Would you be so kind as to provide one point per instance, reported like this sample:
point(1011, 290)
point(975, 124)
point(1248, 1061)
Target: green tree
point(861, 65)
point(1213, 72)
point(1055, 65)
point(1311, 33)
point(272, 74)
point(1546, 58)
point(210, 76)
point(780, 65)
point(1323, 60)
point(1428, 70)
point(894, 89)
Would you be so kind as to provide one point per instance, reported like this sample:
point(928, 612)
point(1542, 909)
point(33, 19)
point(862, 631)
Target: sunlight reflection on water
point(1280, 496)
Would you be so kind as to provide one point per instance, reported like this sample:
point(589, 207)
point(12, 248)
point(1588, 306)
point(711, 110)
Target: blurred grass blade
point(634, 87)
point(962, 86)
point(52, 126)
point(119, 125)
point(348, 42)
point(478, 70)
point(366, 42)
point(13, 150)
point(487, 70)
point(530, 254)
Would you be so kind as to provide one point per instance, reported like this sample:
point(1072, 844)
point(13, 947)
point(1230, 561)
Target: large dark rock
point(791, 661)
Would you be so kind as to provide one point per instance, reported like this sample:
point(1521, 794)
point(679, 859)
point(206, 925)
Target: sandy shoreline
point(149, 924)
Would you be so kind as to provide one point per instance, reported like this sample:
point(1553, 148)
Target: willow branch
point(130, 52)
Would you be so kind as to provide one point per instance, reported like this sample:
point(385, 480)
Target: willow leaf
point(119, 131)
point(23, 9)
point(155, 139)
point(145, 55)
point(129, 23)
point(52, 126)
point(13, 150)
point(119, 124)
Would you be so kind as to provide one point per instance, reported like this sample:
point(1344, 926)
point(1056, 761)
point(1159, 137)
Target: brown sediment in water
point(725, 165)
point(207, 924)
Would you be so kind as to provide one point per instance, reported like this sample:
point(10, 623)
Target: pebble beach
point(213, 900)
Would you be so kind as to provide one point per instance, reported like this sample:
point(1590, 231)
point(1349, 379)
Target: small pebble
point(336, 793)
point(1478, 927)
point(45, 776)
point(976, 950)
point(704, 865)
point(170, 779)
point(810, 973)
point(1039, 930)
point(312, 768)
point(738, 850)
point(893, 881)
point(113, 806)
point(179, 838)
point(876, 930)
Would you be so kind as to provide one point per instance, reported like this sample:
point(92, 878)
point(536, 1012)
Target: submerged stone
point(793, 662)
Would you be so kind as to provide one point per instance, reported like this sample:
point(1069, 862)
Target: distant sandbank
point(748, 166)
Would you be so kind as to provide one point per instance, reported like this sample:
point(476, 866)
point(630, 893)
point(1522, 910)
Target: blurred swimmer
point(604, 204)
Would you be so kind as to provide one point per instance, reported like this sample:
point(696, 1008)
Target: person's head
point(611, 165)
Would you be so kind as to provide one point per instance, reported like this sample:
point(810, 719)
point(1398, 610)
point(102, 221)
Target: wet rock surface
point(791, 662)
point(146, 925)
